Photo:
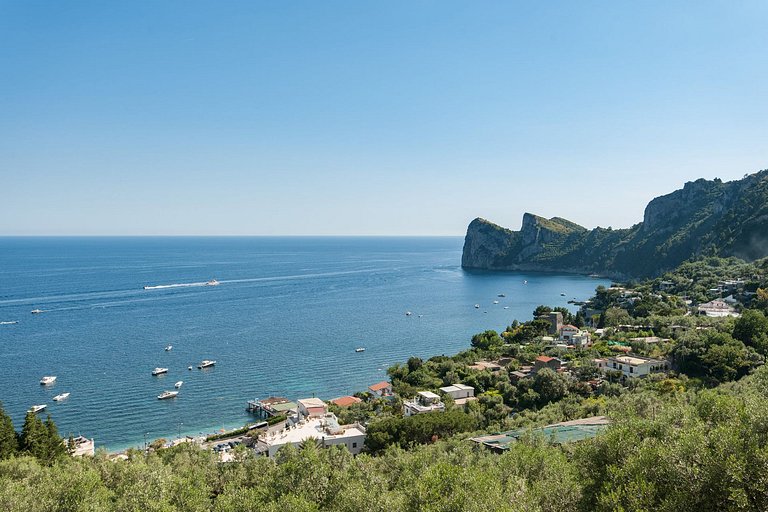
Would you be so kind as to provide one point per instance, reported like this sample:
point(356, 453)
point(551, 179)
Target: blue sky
point(286, 118)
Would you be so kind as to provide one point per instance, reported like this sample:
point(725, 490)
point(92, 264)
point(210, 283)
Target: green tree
point(9, 443)
point(751, 328)
point(487, 340)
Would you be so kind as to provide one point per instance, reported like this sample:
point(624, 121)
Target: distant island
point(704, 218)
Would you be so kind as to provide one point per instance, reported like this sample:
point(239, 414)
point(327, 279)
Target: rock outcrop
point(704, 217)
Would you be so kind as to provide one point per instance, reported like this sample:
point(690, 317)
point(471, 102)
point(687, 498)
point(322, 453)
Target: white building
point(325, 430)
point(572, 335)
point(312, 407)
point(425, 401)
point(459, 392)
point(82, 446)
point(633, 366)
point(717, 308)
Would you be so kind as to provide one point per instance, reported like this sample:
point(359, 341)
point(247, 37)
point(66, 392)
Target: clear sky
point(412, 117)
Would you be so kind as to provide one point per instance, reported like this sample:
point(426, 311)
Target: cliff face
point(704, 217)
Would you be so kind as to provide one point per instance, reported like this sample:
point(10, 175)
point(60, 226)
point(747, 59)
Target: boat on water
point(525, 281)
point(178, 384)
point(189, 367)
point(11, 322)
point(206, 364)
point(59, 398)
point(212, 282)
point(360, 349)
point(169, 348)
point(477, 306)
point(37, 408)
point(158, 371)
point(36, 311)
point(167, 394)
point(408, 313)
point(501, 295)
point(495, 302)
point(562, 294)
point(48, 379)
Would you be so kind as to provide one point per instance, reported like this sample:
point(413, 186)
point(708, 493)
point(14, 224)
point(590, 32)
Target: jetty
point(272, 406)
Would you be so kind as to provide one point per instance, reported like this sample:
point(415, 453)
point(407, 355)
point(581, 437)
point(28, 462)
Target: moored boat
point(37, 408)
point(169, 348)
point(206, 364)
point(59, 398)
point(48, 379)
point(158, 371)
point(167, 394)
point(360, 349)
point(178, 384)
point(36, 311)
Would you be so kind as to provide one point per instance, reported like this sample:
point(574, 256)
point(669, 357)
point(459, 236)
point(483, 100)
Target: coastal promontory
point(705, 217)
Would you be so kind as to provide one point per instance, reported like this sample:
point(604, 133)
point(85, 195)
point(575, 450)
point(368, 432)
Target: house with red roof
point(381, 389)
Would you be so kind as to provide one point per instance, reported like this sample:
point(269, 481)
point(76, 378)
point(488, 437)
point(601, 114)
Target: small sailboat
point(59, 398)
point(178, 384)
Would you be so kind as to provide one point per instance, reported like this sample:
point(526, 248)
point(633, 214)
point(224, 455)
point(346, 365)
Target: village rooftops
point(380, 386)
point(636, 361)
point(456, 387)
point(311, 402)
point(544, 359)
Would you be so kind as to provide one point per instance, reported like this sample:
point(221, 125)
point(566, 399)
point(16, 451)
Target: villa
point(425, 402)
point(325, 430)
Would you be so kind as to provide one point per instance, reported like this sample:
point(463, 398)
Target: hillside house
point(381, 389)
point(325, 430)
point(460, 393)
point(425, 402)
point(633, 366)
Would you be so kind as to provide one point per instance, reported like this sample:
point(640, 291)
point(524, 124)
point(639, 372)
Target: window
point(354, 445)
point(631, 370)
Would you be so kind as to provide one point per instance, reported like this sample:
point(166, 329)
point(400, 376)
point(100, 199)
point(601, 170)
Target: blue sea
point(284, 320)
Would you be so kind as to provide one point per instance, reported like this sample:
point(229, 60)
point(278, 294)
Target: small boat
point(212, 282)
point(408, 313)
point(36, 311)
point(506, 307)
point(11, 322)
point(360, 349)
point(525, 281)
point(37, 408)
point(477, 306)
point(189, 367)
point(562, 294)
point(206, 364)
point(495, 302)
point(167, 394)
point(178, 384)
point(169, 348)
point(158, 371)
point(501, 295)
point(59, 398)
point(48, 379)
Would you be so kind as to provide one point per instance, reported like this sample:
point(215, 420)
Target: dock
point(272, 406)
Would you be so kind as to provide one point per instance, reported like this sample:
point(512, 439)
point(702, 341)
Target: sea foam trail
point(177, 285)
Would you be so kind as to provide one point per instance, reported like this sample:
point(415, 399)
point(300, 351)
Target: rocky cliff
point(704, 217)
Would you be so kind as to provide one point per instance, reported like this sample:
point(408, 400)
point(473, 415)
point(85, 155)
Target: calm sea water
point(285, 320)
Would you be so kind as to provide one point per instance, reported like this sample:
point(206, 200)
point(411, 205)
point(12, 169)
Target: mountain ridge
point(705, 217)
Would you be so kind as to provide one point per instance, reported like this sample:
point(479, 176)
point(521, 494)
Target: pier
point(272, 406)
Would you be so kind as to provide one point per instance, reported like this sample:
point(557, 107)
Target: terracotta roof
point(544, 359)
point(345, 401)
point(379, 386)
point(569, 326)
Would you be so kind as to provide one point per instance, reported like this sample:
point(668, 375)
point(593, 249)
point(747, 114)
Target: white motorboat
point(206, 364)
point(477, 306)
point(189, 367)
point(59, 398)
point(37, 408)
point(408, 313)
point(169, 348)
point(158, 371)
point(178, 384)
point(36, 311)
point(501, 295)
point(48, 379)
point(360, 349)
point(167, 394)
point(212, 282)
point(495, 302)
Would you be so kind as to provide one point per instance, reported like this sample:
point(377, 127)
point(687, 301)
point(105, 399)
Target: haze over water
point(285, 320)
